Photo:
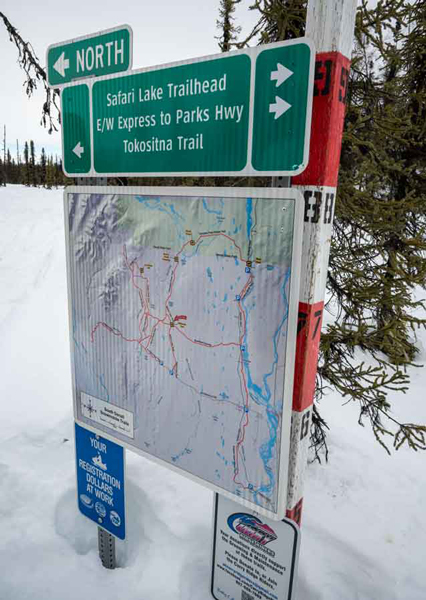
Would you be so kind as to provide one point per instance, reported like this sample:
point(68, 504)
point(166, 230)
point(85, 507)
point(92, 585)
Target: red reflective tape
point(307, 348)
point(331, 80)
point(295, 514)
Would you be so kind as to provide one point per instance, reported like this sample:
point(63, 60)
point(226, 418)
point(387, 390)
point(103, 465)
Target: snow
point(363, 523)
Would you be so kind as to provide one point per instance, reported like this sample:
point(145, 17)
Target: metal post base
point(106, 545)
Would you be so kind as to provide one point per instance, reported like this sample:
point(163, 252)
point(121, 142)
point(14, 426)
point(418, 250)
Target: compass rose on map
point(89, 408)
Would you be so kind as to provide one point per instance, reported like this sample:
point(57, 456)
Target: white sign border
point(278, 194)
point(248, 170)
point(94, 35)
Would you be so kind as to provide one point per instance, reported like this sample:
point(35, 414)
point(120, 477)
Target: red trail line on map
point(146, 316)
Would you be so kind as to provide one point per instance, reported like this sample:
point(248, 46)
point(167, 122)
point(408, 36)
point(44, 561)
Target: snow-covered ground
point(363, 526)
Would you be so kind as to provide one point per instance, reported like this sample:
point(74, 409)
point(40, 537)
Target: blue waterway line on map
point(166, 207)
point(266, 449)
point(74, 328)
point(176, 457)
point(102, 380)
point(263, 398)
point(211, 210)
point(249, 210)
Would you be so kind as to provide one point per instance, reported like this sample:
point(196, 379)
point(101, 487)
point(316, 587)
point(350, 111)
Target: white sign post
point(331, 26)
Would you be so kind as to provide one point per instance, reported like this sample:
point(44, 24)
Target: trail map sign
point(100, 481)
point(183, 306)
point(101, 53)
point(245, 112)
point(253, 558)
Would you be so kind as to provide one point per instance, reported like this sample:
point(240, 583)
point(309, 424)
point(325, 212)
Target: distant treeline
point(31, 170)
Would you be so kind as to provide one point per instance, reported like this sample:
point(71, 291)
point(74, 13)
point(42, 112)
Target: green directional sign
point(243, 113)
point(278, 112)
point(172, 119)
point(102, 53)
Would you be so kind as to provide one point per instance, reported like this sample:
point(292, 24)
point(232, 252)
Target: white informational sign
point(183, 308)
point(253, 558)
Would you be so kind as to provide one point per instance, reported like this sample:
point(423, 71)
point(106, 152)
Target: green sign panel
point(102, 53)
point(172, 119)
point(278, 112)
point(76, 129)
point(243, 113)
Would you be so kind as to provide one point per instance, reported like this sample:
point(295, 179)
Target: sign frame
point(248, 170)
point(82, 38)
point(225, 192)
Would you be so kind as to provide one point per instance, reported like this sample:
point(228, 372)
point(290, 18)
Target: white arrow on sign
point(281, 74)
point(279, 107)
point(61, 65)
point(78, 150)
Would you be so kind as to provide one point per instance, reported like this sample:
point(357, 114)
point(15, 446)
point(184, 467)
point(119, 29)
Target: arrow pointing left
point(78, 150)
point(61, 65)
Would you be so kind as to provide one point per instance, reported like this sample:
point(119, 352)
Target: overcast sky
point(164, 31)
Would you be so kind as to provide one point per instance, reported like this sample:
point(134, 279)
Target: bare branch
point(34, 73)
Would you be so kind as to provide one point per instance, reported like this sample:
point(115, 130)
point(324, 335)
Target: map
point(179, 309)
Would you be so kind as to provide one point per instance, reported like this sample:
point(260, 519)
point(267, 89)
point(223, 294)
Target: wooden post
point(331, 26)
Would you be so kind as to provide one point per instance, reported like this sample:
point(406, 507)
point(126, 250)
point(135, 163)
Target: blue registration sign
point(100, 481)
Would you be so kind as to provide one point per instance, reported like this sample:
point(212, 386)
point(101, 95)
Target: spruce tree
point(27, 175)
point(9, 168)
point(378, 248)
point(56, 172)
point(2, 174)
point(50, 176)
point(377, 257)
point(279, 20)
point(43, 168)
point(229, 32)
point(33, 173)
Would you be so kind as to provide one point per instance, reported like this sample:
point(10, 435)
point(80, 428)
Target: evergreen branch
point(229, 31)
point(318, 436)
point(378, 250)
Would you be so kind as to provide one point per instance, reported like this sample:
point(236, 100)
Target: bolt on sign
point(183, 309)
point(103, 53)
point(245, 112)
